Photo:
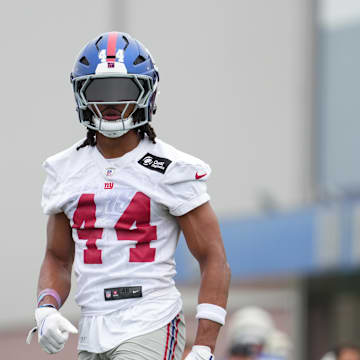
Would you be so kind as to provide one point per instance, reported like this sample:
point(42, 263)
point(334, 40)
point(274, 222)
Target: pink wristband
point(50, 292)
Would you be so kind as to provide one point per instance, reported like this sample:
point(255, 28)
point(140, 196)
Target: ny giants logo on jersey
point(108, 185)
point(155, 163)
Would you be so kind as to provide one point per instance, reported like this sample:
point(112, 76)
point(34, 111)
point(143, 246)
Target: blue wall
point(285, 243)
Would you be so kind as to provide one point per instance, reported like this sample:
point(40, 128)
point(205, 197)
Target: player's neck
point(117, 147)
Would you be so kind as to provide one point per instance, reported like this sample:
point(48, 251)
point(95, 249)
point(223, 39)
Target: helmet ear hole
point(84, 61)
point(140, 59)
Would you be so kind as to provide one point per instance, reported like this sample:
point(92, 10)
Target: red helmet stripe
point(111, 47)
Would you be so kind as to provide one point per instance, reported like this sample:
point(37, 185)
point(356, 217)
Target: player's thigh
point(166, 343)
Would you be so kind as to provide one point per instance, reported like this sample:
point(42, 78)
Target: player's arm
point(55, 272)
point(203, 237)
point(54, 286)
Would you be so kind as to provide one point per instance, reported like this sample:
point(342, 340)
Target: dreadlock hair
point(148, 130)
point(143, 130)
point(90, 139)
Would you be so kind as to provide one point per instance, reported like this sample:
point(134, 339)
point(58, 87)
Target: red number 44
point(138, 211)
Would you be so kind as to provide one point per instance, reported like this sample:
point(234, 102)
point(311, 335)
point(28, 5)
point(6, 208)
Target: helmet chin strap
point(111, 129)
point(113, 134)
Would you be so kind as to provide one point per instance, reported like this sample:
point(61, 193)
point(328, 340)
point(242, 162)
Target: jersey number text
point(138, 211)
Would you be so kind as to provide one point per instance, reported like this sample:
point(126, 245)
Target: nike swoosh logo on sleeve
point(197, 176)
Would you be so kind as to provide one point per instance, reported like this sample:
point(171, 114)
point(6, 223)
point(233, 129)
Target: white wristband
point(211, 312)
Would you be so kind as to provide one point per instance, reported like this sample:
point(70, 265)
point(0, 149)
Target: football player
point(253, 336)
point(117, 202)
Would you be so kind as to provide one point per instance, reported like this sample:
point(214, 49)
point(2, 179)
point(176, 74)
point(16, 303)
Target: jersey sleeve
point(51, 200)
point(184, 187)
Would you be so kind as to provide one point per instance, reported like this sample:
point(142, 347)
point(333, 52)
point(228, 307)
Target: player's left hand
point(200, 352)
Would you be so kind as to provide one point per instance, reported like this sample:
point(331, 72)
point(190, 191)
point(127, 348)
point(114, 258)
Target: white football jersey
point(123, 217)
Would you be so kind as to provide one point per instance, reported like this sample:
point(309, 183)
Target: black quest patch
point(155, 163)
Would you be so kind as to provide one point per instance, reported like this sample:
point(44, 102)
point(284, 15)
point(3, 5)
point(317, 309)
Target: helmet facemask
point(134, 91)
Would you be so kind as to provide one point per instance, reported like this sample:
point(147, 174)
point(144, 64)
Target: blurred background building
point(265, 91)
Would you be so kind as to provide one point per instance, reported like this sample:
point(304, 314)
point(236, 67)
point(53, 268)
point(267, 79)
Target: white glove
point(200, 352)
point(53, 329)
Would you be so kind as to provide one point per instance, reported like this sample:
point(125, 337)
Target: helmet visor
point(116, 89)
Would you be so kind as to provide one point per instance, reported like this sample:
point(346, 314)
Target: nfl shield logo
point(111, 65)
point(109, 171)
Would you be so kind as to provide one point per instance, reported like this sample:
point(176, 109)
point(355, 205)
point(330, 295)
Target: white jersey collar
point(121, 161)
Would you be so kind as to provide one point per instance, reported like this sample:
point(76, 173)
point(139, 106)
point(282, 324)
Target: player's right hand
point(200, 352)
point(53, 329)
